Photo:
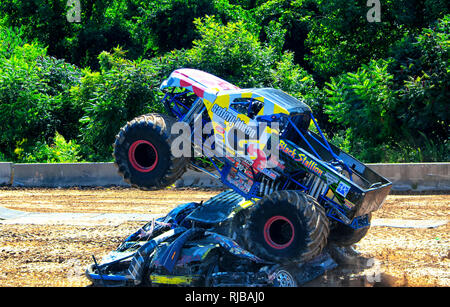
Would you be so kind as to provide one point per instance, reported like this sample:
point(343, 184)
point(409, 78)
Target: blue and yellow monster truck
point(290, 190)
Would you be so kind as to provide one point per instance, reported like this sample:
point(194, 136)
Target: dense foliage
point(380, 90)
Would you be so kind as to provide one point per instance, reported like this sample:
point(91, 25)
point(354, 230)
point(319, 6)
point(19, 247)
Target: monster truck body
point(291, 192)
point(347, 188)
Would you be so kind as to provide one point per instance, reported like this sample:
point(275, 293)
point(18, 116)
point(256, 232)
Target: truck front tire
point(142, 152)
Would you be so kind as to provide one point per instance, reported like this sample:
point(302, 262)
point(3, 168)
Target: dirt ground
point(56, 255)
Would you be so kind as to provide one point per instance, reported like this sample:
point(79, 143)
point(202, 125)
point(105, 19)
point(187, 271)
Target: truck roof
point(209, 87)
point(198, 82)
point(274, 96)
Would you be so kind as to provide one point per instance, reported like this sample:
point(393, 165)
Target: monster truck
point(290, 191)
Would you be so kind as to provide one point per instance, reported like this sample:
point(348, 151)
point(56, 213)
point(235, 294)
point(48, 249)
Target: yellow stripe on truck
point(173, 279)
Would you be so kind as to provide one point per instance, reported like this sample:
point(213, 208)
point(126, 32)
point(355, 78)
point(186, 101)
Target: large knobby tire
point(142, 152)
point(343, 235)
point(285, 226)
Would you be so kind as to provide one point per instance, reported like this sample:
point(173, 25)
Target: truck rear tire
point(285, 226)
point(343, 235)
point(142, 152)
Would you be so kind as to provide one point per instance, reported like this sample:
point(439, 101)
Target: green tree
point(421, 83)
point(104, 25)
point(341, 38)
point(232, 52)
point(294, 18)
point(59, 151)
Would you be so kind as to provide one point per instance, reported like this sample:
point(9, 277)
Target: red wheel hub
point(279, 232)
point(143, 156)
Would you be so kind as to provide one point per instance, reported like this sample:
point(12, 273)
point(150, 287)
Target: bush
point(295, 80)
point(34, 91)
point(24, 108)
point(60, 151)
point(360, 103)
point(235, 53)
point(58, 77)
point(3, 158)
point(396, 110)
point(121, 91)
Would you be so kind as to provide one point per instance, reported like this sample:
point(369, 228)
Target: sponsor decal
point(269, 173)
point(244, 167)
point(232, 119)
point(343, 189)
point(348, 204)
point(300, 157)
point(239, 180)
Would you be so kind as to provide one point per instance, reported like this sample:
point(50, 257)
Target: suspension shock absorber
point(316, 186)
point(261, 187)
point(268, 186)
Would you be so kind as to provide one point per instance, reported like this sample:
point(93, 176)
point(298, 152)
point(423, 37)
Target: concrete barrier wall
point(5, 173)
point(87, 175)
point(66, 175)
point(415, 176)
point(404, 176)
